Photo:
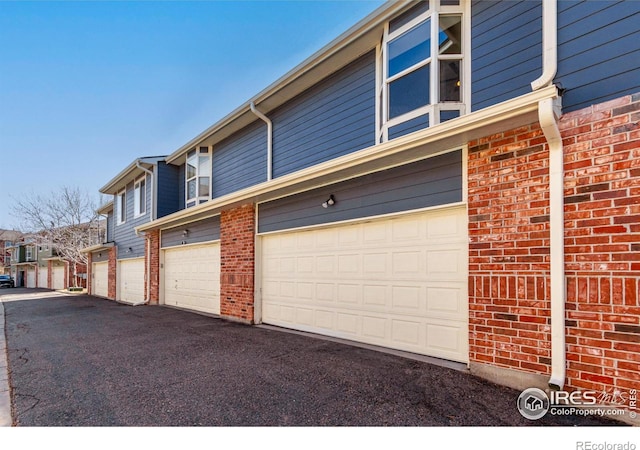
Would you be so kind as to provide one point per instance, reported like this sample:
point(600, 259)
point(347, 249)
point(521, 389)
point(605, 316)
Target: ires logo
point(534, 403)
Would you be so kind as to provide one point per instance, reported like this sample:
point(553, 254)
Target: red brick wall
point(508, 195)
point(237, 263)
point(111, 288)
point(152, 249)
point(602, 244)
point(508, 189)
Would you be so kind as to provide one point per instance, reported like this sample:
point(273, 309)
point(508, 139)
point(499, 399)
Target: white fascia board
point(447, 135)
point(97, 247)
point(375, 19)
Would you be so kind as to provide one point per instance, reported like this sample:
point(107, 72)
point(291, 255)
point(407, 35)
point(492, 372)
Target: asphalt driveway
point(84, 361)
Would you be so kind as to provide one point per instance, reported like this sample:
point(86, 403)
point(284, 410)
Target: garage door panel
point(57, 277)
point(43, 274)
point(192, 277)
point(398, 282)
point(131, 280)
point(100, 285)
point(31, 278)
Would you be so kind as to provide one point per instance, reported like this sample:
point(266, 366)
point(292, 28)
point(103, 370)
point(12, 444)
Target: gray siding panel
point(241, 160)
point(431, 182)
point(506, 49)
point(110, 227)
point(202, 231)
point(333, 118)
point(124, 234)
point(598, 51)
point(101, 256)
point(168, 194)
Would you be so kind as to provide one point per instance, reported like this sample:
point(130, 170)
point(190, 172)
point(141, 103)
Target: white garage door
point(397, 282)
point(100, 282)
point(31, 277)
point(131, 280)
point(192, 277)
point(43, 274)
point(57, 277)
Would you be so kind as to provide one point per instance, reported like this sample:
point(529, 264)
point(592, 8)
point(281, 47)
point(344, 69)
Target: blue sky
point(86, 87)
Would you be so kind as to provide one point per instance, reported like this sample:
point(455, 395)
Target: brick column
point(111, 288)
point(49, 274)
point(237, 263)
point(89, 272)
point(509, 284)
point(152, 261)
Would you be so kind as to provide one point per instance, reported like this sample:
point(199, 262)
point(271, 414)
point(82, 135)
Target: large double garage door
point(395, 282)
point(192, 277)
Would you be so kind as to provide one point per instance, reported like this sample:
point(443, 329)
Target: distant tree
point(65, 219)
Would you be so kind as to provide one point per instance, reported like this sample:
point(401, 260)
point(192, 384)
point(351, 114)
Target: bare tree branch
point(66, 219)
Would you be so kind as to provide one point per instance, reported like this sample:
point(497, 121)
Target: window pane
point(409, 92)
point(408, 16)
point(410, 48)
point(203, 165)
point(450, 2)
point(450, 35)
point(191, 169)
point(450, 81)
point(191, 189)
point(203, 187)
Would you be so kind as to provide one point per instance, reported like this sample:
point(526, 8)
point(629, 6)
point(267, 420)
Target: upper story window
point(198, 176)
point(29, 253)
point(140, 197)
point(421, 62)
point(121, 207)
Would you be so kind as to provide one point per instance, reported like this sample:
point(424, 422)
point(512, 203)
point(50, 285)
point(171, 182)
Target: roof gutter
point(549, 110)
point(269, 138)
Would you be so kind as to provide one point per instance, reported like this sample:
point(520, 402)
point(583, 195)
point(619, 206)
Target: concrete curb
point(5, 394)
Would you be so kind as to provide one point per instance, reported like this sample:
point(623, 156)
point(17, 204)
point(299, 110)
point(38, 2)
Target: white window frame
point(28, 253)
point(195, 153)
point(383, 123)
point(121, 207)
point(139, 204)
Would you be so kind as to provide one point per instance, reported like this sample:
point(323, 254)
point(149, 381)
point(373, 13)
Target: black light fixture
point(329, 202)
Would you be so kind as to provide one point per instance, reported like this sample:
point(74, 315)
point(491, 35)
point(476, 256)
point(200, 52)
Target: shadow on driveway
point(83, 361)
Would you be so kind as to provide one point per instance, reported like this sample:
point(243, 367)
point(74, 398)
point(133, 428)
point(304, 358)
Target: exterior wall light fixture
point(329, 202)
point(185, 233)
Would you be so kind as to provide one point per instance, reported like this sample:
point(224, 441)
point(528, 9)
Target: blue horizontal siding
point(598, 51)
point(240, 161)
point(124, 234)
point(506, 50)
point(202, 231)
point(431, 182)
point(333, 118)
point(168, 180)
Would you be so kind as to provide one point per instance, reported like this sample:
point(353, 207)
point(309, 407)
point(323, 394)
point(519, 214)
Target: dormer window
point(198, 176)
point(421, 58)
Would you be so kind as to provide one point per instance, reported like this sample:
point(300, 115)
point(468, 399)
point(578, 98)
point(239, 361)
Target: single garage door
point(395, 282)
point(192, 277)
point(43, 274)
point(131, 280)
point(57, 277)
point(100, 284)
point(31, 277)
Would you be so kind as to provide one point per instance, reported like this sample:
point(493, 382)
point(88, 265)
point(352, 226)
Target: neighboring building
point(7, 239)
point(445, 178)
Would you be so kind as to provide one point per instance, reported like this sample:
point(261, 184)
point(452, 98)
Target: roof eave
point(128, 174)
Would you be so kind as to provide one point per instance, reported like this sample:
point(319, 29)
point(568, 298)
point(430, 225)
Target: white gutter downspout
point(269, 138)
point(148, 252)
point(549, 110)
